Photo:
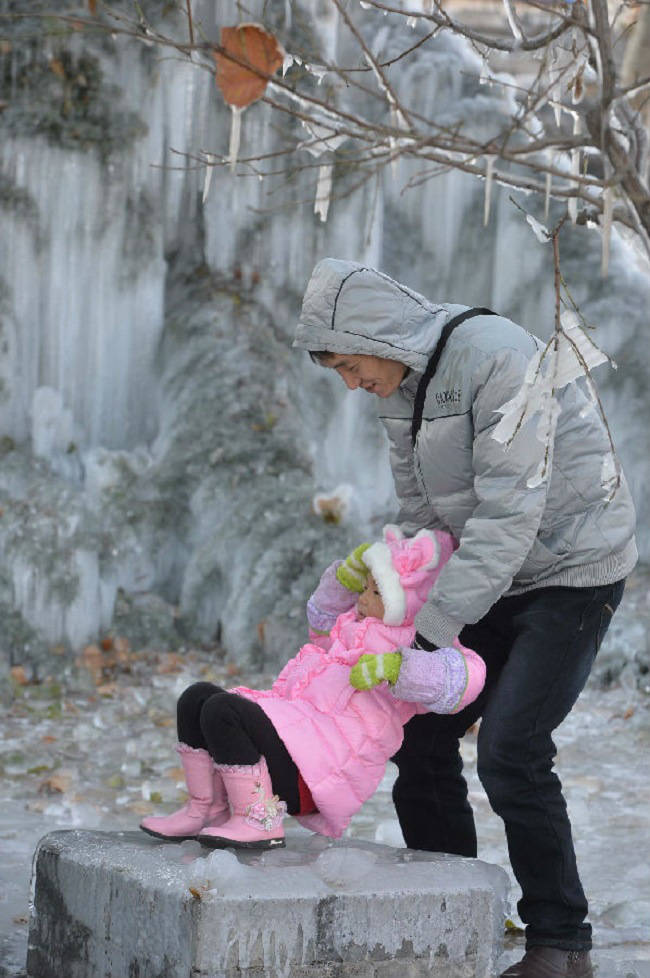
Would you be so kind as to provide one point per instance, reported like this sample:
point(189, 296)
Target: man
point(539, 570)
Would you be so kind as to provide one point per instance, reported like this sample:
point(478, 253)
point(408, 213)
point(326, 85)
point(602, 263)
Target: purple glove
point(444, 680)
point(329, 600)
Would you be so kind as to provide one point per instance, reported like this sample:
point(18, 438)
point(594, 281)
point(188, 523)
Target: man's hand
point(371, 670)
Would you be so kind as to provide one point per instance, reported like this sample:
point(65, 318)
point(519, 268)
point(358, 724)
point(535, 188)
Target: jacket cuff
point(437, 679)
point(436, 626)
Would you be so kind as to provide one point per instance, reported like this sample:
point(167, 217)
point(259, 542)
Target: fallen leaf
point(19, 675)
point(56, 784)
point(22, 918)
point(107, 689)
point(57, 67)
point(106, 643)
point(48, 739)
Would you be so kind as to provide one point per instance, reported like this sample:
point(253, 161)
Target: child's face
point(370, 604)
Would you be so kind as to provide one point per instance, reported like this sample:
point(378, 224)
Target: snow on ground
point(96, 751)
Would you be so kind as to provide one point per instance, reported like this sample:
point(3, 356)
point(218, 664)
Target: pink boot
point(256, 821)
point(207, 804)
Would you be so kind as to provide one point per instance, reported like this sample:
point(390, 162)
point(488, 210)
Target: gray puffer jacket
point(459, 478)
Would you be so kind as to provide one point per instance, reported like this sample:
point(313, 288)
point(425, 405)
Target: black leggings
point(235, 730)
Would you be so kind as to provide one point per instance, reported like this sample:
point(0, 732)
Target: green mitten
point(371, 670)
point(352, 572)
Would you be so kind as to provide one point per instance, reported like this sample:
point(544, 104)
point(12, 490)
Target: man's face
point(370, 603)
point(374, 374)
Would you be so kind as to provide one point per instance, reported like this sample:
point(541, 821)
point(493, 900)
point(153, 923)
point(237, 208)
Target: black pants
point(236, 731)
point(539, 648)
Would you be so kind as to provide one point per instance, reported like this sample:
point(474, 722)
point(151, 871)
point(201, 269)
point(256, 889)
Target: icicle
point(287, 15)
point(411, 22)
point(539, 230)
point(489, 168)
point(608, 214)
point(547, 195)
point(235, 135)
point(210, 161)
point(319, 71)
point(485, 72)
point(288, 61)
point(366, 6)
point(323, 190)
point(575, 169)
point(557, 105)
point(512, 20)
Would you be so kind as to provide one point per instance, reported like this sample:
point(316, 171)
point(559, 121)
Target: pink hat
point(405, 570)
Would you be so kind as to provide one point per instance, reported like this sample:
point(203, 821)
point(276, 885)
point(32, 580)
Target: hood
point(350, 308)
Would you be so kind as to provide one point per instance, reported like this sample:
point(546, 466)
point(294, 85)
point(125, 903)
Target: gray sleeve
point(415, 513)
point(502, 528)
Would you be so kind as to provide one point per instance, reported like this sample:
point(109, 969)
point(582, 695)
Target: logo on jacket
point(452, 396)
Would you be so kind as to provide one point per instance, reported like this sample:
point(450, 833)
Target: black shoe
point(551, 962)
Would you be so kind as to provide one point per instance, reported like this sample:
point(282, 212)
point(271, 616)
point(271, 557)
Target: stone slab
point(123, 905)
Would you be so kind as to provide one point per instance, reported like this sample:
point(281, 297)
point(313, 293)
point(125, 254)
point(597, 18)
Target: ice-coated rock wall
point(160, 442)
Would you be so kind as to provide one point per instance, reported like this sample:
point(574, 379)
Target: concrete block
point(123, 905)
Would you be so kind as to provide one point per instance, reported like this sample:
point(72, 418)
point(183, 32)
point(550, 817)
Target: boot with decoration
point(256, 821)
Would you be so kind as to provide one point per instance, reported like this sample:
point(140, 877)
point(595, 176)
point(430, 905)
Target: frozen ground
point(96, 751)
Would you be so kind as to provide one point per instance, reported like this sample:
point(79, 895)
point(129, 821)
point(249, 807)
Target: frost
point(318, 71)
point(411, 22)
point(323, 190)
point(512, 20)
point(547, 194)
point(608, 214)
point(235, 135)
point(539, 230)
point(489, 170)
point(288, 61)
point(323, 138)
point(210, 159)
point(341, 867)
point(568, 355)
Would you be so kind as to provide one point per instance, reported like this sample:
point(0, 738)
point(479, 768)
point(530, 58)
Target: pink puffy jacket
point(340, 738)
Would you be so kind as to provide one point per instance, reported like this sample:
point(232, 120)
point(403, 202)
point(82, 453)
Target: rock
point(117, 904)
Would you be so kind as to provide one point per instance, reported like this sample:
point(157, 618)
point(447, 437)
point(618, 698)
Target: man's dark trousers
point(539, 648)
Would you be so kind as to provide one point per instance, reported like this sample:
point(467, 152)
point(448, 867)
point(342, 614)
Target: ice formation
point(160, 442)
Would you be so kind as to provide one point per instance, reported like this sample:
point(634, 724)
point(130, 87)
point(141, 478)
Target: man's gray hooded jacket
point(511, 537)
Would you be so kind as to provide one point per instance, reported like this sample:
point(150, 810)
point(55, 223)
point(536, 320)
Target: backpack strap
point(432, 365)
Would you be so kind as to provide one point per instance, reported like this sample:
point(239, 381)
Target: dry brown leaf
point(48, 739)
point(255, 46)
point(171, 662)
point(107, 689)
point(92, 6)
point(56, 784)
point(174, 773)
point(19, 675)
point(140, 807)
point(57, 67)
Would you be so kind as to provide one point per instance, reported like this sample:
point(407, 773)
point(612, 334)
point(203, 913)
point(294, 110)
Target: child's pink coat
point(339, 737)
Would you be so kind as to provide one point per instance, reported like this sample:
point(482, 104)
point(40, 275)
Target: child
point(316, 744)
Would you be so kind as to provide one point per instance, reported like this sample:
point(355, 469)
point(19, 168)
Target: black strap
point(432, 365)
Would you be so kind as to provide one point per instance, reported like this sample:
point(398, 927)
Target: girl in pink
point(316, 744)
